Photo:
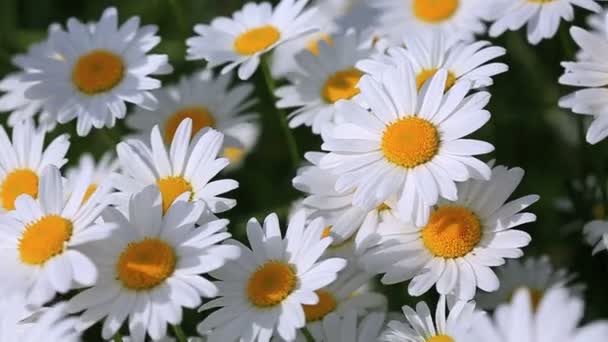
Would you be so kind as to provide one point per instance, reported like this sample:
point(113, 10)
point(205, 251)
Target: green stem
point(117, 337)
point(308, 335)
point(292, 147)
point(179, 333)
point(180, 16)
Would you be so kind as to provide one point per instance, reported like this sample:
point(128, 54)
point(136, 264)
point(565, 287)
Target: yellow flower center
point(145, 264)
point(90, 191)
point(326, 232)
point(256, 40)
point(200, 116)
point(18, 182)
point(98, 71)
point(598, 211)
point(270, 284)
point(426, 74)
point(382, 207)
point(234, 154)
point(435, 11)
point(327, 304)
point(313, 44)
point(44, 239)
point(536, 296)
point(452, 232)
point(440, 338)
point(342, 85)
point(171, 188)
point(410, 142)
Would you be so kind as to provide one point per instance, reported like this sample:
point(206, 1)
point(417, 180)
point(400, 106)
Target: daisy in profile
point(410, 145)
point(430, 52)
point(208, 102)
point(256, 29)
point(596, 235)
point(556, 319)
point(23, 159)
point(591, 74)
point(419, 325)
point(98, 173)
point(460, 19)
point(51, 324)
point(41, 240)
point(537, 275)
point(541, 17)
point(151, 266)
point(102, 66)
point(461, 241)
point(265, 290)
point(349, 328)
point(187, 165)
point(322, 80)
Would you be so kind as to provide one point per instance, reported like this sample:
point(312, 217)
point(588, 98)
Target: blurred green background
point(527, 128)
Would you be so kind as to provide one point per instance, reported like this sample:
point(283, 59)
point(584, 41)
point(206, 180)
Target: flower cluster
point(400, 191)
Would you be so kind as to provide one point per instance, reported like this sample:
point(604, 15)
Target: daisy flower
point(535, 274)
point(590, 74)
point(23, 159)
point(322, 80)
point(596, 235)
point(409, 145)
point(264, 291)
point(188, 165)
point(51, 324)
point(421, 328)
point(456, 248)
point(256, 29)
point(461, 19)
point(101, 66)
point(556, 319)
point(541, 17)
point(431, 52)
point(97, 172)
point(336, 328)
point(151, 266)
point(41, 240)
point(208, 102)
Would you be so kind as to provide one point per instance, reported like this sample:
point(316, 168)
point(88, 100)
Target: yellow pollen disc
point(326, 232)
point(270, 284)
point(410, 142)
point(98, 71)
point(256, 40)
point(44, 239)
point(452, 232)
point(327, 304)
point(313, 44)
point(171, 188)
point(598, 212)
point(18, 182)
point(440, 338)
point(234, 154)
point(426, 74)
point(342, 85)
point(90, 190)
point(200, 116)
point(435, 11)
point(382, 207)
point(145, 264)
point(536, 296)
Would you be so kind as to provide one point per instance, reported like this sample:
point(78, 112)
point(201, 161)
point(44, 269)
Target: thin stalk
point(117, 337)
point(179, 333)
point(308, 335)
point(292, 147)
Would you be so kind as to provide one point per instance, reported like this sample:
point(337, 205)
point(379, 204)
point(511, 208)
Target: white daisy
point(188, 165)
point(409, 145)
point(51, 324)
point(456, 248)
point(322, 80)
point(596, 235)
point(23, 159)
point(264, 291)
point(556, 319)
point(460, 19)
point(542, 17)
point(102, 66)
point(251, 32)
point(535, 274)
point(97, 172)
point(336, 328)
point(591, 74)
point(41, 240)
point(151, 266)
point(431, 52)
point(209, 102)
point(421, 328)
